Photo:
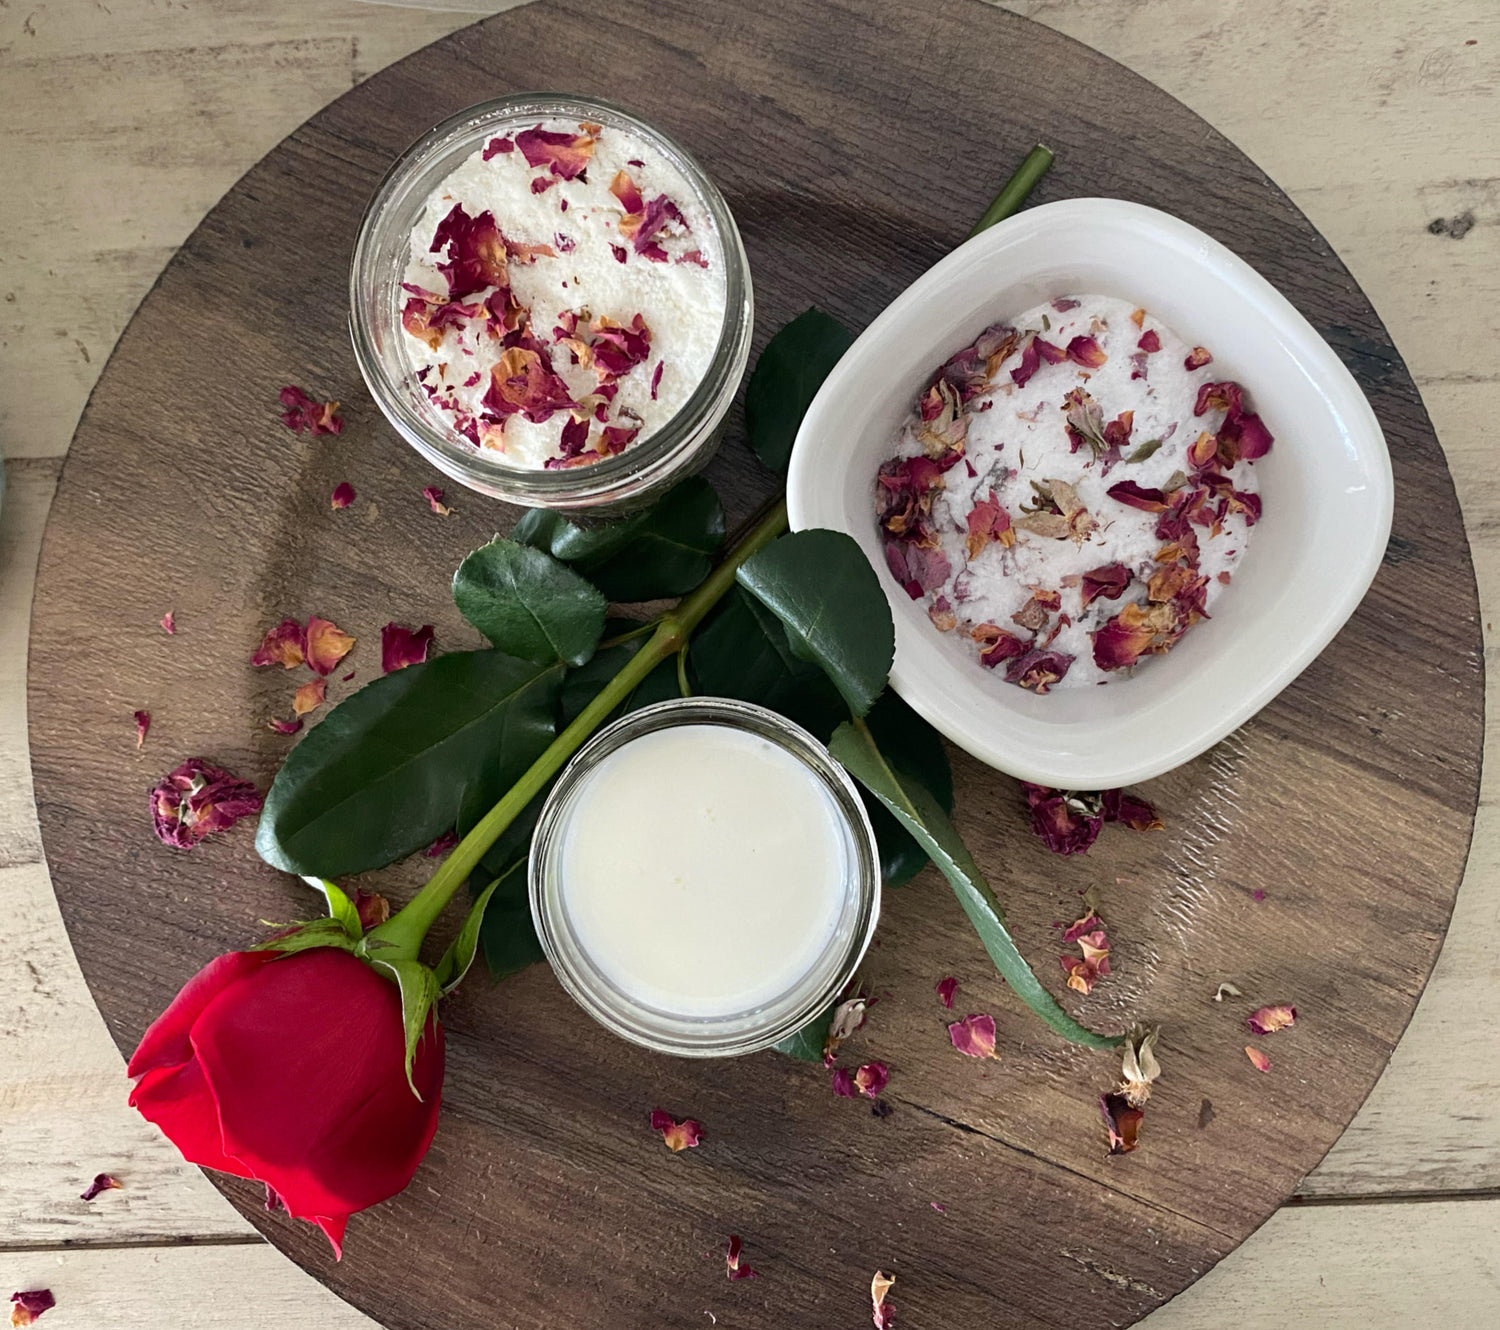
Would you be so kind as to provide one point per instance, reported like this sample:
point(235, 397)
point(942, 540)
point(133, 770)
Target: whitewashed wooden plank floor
point(124, 120)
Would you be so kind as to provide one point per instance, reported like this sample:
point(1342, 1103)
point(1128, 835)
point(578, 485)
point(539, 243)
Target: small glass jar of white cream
point(548, 261)
point(704, 878)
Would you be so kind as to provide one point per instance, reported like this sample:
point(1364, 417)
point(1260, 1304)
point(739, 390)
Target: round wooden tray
point(855, 141)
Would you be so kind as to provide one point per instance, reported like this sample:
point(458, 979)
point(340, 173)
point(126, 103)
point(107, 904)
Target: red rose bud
point(290, 1071)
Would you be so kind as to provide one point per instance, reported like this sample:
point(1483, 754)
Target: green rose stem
point(401, 935)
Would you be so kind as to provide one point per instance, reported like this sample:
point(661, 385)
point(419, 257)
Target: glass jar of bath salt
point(704, 878)
point(549, 300)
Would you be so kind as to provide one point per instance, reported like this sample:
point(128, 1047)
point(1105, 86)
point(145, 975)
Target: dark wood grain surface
point(855, 141)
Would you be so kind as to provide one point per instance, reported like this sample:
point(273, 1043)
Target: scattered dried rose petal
point(372, 907)
point(284, 645)
point(102, 1182)
point(142, 725)
point(843, 1083)
point(169, 623)
point(737, 1269)
point(1130, 810)
point(872, 1078)
point(1270, 1019)
point(1122, 1120)
point(327, 644)
point(941, 1209)
point(1149, 341)
point(195, 800)
point(310, 696)
point(1087, 352)
point(1067, 822)
point(434, 497)
point(26, 1307)
point(400, 647)
point(284, 726)
point(343, 495)
point(883, 1312)
point(1197, 358)
point(565, 155)
point(974, 1036)
point(1084, 973)
point(682, 1135)
point(475, 252)
point(1137, 496)
point(441, 845)
point(946, 989)
point(305, 416)
point(1257, 895)
point(1261, 1061)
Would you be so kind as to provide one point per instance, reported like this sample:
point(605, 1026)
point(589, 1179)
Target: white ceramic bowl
point(1326, 486)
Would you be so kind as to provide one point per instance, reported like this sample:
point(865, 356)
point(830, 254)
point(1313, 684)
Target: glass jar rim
point(644, 465)
point(708, 1036)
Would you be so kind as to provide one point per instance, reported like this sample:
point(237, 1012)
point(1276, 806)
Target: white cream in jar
point(704, 870)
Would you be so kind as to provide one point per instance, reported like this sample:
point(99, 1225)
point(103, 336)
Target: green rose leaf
point(807, 1044)
point(506, 934)
point(914, 749)
point(822, 588)
point(528, 604)
point(741, 651)
point(340, 907)
point(919, 813)
point(664, 551)
point(419, 990)
point(394, 766)
point(785, 380)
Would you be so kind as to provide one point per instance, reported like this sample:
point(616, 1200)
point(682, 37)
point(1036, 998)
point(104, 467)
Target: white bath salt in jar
point(550, 302)
point(704, 879)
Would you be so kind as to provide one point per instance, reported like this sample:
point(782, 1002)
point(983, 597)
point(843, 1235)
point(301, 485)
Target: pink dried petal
point(1259, 1059)
point(1197, 358)
point(974, 1036)
point(737, 1268)
point(694, 256)
point(1109, 581)
point(434, 497)
point(310, 696)
point(1149, 341)
point(1138, 496)
point(946, 988)
point(26, 1307)
point(496, 146)
point(1131, 810)
point(843, 1084)
point(476, 254)
point(523, 380)
point(987, 521)
point(1064, 303)
point(373, 908)
point(619, 251)
point(169, 623)
point(656, 377)
point(195, 800)
point(1090, 923)
point(871, 1079)
point(400, 647)
point(102, 1182)
point(1270, 1019)
point(1032, 354)
point(1087, 352)
point(1039, 669)
point(284, 645)
point(1225, 396)
point(284, 726)
point(343, 495)
point(142, 725)
point(565, 155)
point(327, 644)
point(304, 415)
point(883, 1311)
point(618, 348)
point(1122, 1120)
point(442, 845)
point(999, 646)
point(682, 1135)
point(1062, 827)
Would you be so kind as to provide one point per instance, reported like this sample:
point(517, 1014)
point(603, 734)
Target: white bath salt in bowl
point(1072, 492)
point(1324, 489)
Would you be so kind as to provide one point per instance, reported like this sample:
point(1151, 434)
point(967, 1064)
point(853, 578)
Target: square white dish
point(1326, 487)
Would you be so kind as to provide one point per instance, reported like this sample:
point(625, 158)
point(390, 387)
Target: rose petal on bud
point(1270, 1019)
point(974, 1036)
point(679, 1136)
